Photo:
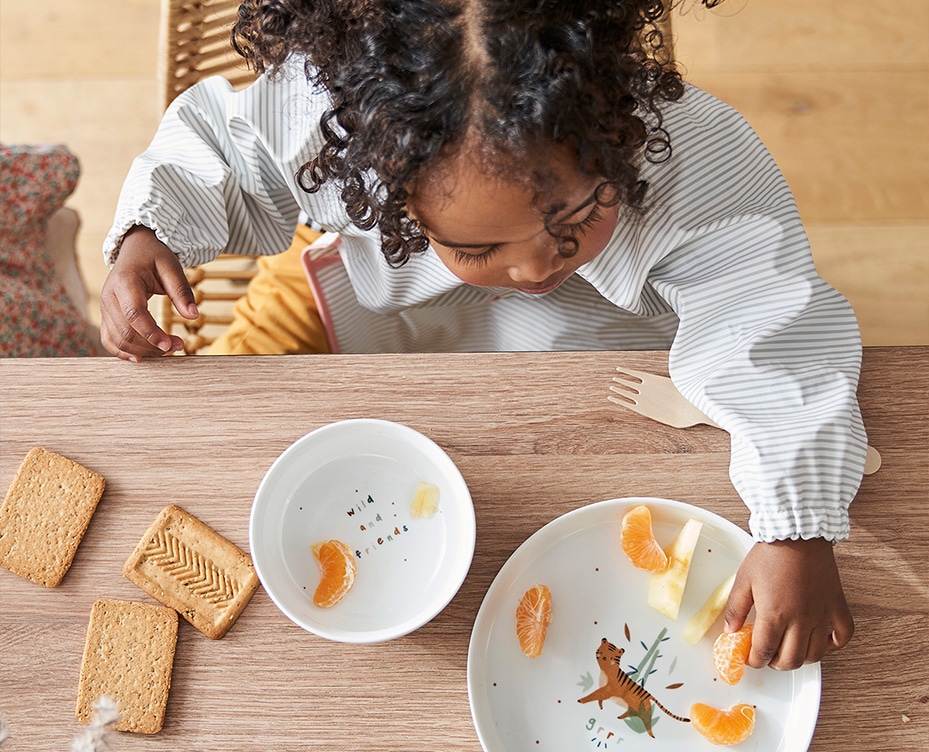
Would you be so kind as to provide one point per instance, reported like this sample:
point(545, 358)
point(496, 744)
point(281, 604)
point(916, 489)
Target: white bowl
point(354, 481)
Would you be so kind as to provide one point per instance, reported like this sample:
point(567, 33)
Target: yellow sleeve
point(278, 314)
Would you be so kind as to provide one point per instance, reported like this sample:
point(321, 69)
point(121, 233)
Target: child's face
point(489, 234)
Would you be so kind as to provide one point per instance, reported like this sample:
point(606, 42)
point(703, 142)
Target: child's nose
point(537, 267)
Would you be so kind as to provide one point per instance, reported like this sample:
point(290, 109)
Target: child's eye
point(594, 216)
point(474, 259)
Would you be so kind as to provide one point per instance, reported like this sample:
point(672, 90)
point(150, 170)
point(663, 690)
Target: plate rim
point(467, 533)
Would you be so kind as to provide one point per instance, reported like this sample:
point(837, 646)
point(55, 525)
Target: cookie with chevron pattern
point(188, 566)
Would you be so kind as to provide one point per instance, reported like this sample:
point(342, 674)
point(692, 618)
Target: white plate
point(519, 703)
point(354, 481)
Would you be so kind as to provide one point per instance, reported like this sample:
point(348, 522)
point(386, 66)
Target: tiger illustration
point(618, 685)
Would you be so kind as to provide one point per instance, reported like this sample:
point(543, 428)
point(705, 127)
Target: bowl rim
point(466, 533)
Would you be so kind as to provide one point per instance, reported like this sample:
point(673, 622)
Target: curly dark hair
point(413, 80)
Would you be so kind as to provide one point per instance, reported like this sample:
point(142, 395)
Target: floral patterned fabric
point(37, 318)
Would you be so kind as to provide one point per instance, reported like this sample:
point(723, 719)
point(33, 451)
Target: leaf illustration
point(646, 667)
point(675, 686)
point(586, 682)
point(640, 725)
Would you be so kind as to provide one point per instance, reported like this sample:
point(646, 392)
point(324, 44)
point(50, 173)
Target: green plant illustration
point(640, 675)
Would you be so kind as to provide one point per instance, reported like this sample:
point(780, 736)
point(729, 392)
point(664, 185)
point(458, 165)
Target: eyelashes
point(566, 231)
point(594, 216)
point(475, 259)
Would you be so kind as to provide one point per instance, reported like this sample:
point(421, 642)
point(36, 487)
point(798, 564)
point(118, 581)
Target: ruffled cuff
point(805, 491)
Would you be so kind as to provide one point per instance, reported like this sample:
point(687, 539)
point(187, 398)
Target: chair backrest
point(195, 44)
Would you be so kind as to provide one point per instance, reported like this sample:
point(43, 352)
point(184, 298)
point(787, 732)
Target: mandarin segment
point(638, 541)
point(533, 615)
point(730, 652)
point(337, 572)
point(723, 727)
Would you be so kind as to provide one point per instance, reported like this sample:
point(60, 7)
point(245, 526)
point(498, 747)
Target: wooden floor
point(838, 89)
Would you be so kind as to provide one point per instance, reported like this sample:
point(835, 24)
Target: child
point(514, 175)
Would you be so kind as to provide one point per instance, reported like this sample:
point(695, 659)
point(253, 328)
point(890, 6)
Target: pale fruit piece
point(709, 612)
point(425, 501)
point(666, 589)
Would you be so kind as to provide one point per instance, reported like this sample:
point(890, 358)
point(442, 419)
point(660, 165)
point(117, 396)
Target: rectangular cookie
point(45, 515)
point(128, 657)
point(188, 566)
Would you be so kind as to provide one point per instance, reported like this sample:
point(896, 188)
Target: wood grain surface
point(534, 437)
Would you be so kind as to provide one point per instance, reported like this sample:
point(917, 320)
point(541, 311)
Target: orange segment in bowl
point(337, 572)
point(638, 541)
point(533, 615)
point(730, 652)
point(724, 727)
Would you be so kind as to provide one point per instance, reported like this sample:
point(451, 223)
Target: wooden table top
point(534, 437)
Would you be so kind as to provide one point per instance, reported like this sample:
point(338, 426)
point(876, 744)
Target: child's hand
point(800, 609)
point(144, 267)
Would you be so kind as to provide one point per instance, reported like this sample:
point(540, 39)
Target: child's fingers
point(120, 338)
point(738, 605)
point(799, 647)
point(793, 651)
point(127, 327)
point(175, 285)
point(134, 324)
point(820, 639)
point(843, 627)
point(766, 642)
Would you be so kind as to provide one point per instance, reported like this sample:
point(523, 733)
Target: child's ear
point(413, 218)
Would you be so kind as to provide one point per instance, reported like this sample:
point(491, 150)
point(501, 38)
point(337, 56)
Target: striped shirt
point(717, 269)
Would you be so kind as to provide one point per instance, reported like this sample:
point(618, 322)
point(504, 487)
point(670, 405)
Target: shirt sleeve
point(765, 347)
point(219, 173)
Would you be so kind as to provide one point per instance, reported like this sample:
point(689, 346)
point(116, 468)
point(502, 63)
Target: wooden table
point(534, 437)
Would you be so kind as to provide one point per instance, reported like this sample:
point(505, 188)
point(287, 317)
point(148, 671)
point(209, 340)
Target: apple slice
point(425, 501)
point(709, 612)
point(666, 589)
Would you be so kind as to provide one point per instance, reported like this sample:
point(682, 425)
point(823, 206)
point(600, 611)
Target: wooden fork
point(656, 397)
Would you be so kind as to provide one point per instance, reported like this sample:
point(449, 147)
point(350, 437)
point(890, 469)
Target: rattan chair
point(194, 44)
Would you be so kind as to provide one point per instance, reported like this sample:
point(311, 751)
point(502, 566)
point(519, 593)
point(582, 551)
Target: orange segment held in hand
point(730, 652)
point(724, 727)
point(638, 541)
point(337, 572)
point(533, 615)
